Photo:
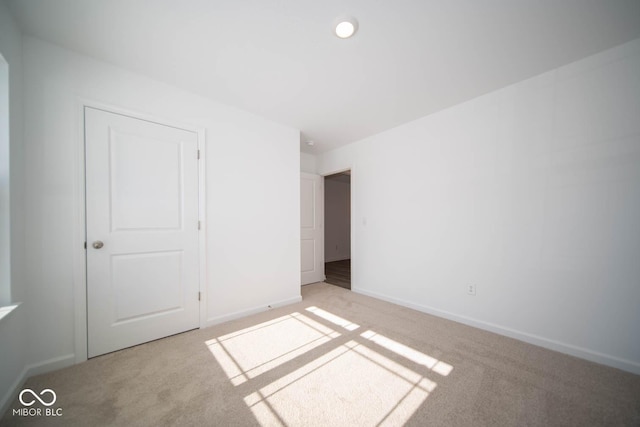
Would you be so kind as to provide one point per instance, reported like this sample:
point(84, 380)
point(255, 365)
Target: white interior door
point(311, 228)
point(142, 230)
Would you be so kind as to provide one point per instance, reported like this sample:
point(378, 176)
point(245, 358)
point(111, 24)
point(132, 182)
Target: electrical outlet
point(471, 290)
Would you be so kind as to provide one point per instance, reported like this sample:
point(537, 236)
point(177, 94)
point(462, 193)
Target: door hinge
point(85, 245)
point(199, 296)
point(198, 154)
point(198, 225)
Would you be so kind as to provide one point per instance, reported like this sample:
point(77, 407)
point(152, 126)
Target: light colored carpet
point(338, 359)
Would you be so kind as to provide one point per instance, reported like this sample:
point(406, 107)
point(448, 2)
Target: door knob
point(97, 244)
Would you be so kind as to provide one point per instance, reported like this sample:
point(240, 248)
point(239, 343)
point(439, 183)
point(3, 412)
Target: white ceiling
point(279, 58)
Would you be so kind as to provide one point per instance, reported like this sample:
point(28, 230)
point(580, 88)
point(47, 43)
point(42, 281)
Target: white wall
point(252, 222)
point(531, 193)
point(13, 330)
point(308, 163)
point(337, 218)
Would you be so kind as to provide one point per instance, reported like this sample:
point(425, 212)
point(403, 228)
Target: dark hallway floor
point(338, 273)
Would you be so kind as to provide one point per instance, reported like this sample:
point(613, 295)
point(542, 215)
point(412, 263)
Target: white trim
point(6, 311)
point(79, 239)
point(49, 365)
point(202, 217)
point(352, 219)
point(326, 174)
point(11, 394)
point(79, 230)
point(582, 353)
point(28, 372)
point(243, 313)
point(352, 212)
point(109, 108)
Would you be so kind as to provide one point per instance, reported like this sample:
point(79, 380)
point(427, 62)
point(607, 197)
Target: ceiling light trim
point(345, 26)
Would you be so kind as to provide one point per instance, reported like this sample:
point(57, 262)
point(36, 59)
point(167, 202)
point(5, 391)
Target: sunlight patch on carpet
point(336, 320)
point(360, 379)
point(416, 356)
point(350, 385)
point(250, 352)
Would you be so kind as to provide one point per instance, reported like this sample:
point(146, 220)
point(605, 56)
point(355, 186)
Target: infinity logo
point(36, 397)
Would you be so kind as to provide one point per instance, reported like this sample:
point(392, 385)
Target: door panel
point(142, 205)
point(311, 228)
point(149, 198)
point(308, 255)
point(134, 276)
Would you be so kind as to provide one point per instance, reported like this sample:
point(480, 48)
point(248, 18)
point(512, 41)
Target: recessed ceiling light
point(345, 27)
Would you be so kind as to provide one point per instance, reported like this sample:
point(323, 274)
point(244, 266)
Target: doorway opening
point(337, 229)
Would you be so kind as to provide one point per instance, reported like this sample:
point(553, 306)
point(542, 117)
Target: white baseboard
point(11, 394)
point(51, 365)
point(243, 313)
point(582, 353)
point(31, 370)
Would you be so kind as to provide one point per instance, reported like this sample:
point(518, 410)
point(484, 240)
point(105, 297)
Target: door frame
point(352, 223)
point(80, 220)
